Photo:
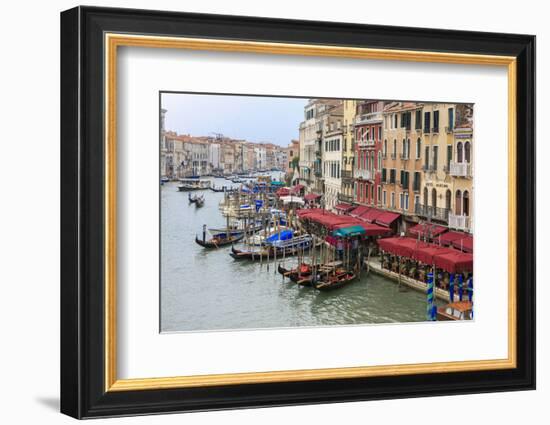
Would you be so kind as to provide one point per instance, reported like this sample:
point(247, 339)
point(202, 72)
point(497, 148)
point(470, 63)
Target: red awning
point(401, 246)
point(283, 191)
point(455, 262)
point(371, 215)
point(426, 253)
point(466, 244)
point(361, 209)
point(311, 196)
point(297, 188)
point(343, 207)
point(428, 231)
point(447, 238)
point(387, 218)
point(304, 212)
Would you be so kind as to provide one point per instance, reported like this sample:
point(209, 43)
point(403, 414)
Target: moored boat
point(218, 241)
point(334, 281)
point(459, 310)
point(199, 202)
point(193, 184)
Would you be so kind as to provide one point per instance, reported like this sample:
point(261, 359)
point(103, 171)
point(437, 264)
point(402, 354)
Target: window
point(383, 175)
point(404, 148)
point(449, 156)
point(372, 194)
point(394, 120)
point(416, 181)
point(467, 152)
point(458, 202)
point(393, 200)
point(425, 196)
point(380, 133)
point(459, 152)
point(385, 147)
point(418, 120)
point(426, 122)
point(408, 149)
point(427, 158)
point(436, 121)
point(434, 198)
point(394, 151)
point(416, 199)
point(379, 194)
point(448, 199)
point(384, 200)
point(436, 153)
point(466, 203)
point(418, 148)
point(392, 175)
point(406, 200)
point(401, 200)
point(379, 160)
point(451, 118)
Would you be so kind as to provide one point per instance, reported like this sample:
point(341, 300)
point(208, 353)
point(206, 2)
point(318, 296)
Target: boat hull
point(210, 243)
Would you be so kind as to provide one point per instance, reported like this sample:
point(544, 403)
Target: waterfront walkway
point(375, 266)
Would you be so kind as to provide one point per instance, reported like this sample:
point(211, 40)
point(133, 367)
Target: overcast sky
point(253, 118)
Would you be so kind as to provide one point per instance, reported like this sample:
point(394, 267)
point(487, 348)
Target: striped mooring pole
point(430, 310)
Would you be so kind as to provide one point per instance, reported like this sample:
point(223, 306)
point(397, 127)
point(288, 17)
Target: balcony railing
point(362, 143)
point(368, 118)
point(345, 198)
point(460, 169)
point(347, 174)
point(435, 213)
point(460, 222)
point(363, 174)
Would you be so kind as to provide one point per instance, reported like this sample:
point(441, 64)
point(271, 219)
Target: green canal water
point(208, 290)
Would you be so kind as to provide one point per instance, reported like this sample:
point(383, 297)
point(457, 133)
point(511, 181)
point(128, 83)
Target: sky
point(252, 118)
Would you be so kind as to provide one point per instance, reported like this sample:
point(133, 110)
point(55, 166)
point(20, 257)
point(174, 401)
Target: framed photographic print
point(261, 212)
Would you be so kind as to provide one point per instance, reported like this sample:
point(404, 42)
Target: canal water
point(208, 290)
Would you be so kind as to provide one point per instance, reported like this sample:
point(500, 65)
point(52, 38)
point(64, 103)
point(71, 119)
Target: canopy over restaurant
point(427, 230)
point(466, 244)
point(446, 239)
point(447, 259)
point(335, 221)
point(343, 207)
point(311, 197)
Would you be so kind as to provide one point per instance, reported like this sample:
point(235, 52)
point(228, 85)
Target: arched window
point(425, 196)
point(467, 152)
point(448, 199)
point(434, 198)
point(466, 203)
point(418, 148)
point(459, 152)
point(458, 203)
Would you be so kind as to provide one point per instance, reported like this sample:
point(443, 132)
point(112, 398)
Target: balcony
point(365, 143)
point(404, 156)
point(371, 118)
point(347, 176)
point(435, 213)
point(460, 169)
point(460, 222)
point(363, 174)
point(345, 198)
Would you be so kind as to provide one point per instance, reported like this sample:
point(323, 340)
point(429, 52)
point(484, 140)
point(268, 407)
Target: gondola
point(334, 281)
point(238, 254)
point(302, 275)
point(199, 202)
point(217, 242)
point(192, 199)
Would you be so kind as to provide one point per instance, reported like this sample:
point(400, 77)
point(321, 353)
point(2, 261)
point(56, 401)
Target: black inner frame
point(82, 207)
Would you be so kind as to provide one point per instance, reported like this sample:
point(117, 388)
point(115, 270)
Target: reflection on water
point(208, 290)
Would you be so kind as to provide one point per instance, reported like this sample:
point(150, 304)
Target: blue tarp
point(283, 235)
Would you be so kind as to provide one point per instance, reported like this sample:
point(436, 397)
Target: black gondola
point(192, 199)
point(217, 242)
point(199, 202)
point(334, 281)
